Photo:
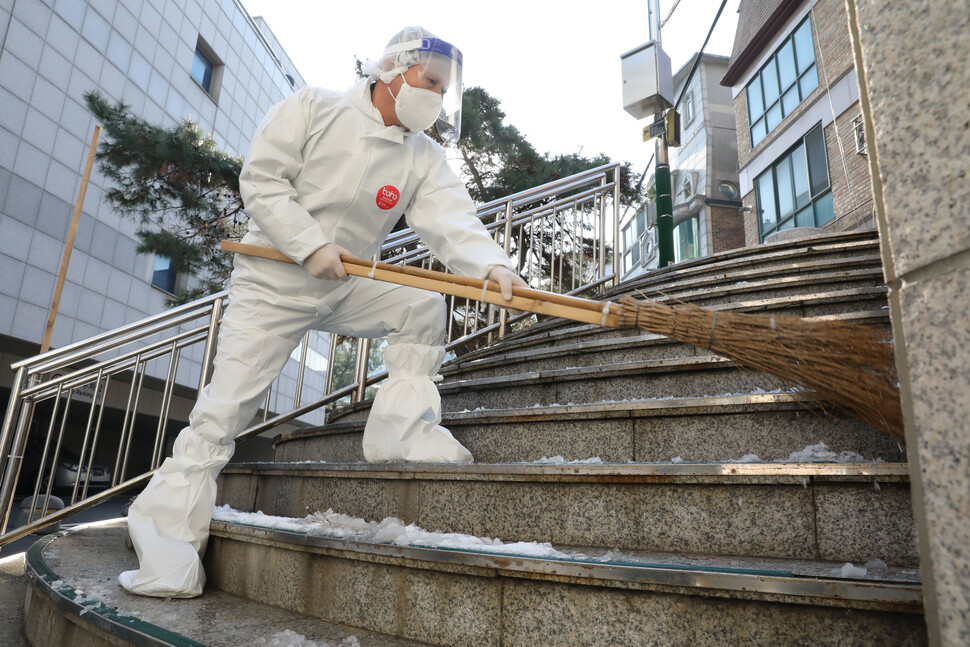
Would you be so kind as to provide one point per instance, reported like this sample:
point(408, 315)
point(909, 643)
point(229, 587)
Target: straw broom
point(847, 367)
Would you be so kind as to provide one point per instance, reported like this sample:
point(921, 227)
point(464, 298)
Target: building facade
point(704, 168)
point(168, 60)
point(703, 176)
point(801, 153)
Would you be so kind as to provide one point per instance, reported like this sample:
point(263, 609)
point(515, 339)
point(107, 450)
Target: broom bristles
point(845, 366)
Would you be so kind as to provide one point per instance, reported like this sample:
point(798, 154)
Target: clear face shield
point(439, 66)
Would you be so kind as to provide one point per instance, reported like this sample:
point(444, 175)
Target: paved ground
point(12, 591)
point(12, 585)
point(90, 560)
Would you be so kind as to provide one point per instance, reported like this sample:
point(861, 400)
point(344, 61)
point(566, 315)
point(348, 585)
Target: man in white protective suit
point(328, 173)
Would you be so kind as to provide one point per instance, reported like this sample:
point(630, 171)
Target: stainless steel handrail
point(546, 228)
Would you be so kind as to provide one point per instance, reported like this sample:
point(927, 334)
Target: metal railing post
point(43, 461)
point(211, 343)
point(10, 417)
point(360, 370)
point(601, 267)
point(331, 362)
point(97, 432)
point(616, 225)
point(139, 375)
point(266, 402)
point(507, 246)
point(14, 461)
point(9, 464)
point(300, 370)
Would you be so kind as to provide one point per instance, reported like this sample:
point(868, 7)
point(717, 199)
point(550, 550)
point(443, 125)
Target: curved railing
point(103, 393)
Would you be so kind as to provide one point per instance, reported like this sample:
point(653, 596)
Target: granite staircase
point(627, 490)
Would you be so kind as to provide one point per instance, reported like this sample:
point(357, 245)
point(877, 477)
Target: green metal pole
point(665, 206)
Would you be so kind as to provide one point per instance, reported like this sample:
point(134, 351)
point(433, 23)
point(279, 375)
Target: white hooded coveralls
point(322, 168)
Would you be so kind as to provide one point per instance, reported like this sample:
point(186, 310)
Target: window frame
point(631, 237)
point(171, 272)
point(690, 225)
point(770, 115)
point(205, 52)
point(822, 198)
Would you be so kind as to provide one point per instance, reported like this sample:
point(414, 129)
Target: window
point(795, 190)
point(632, 234)
point(687, 185)
point(688, 108)
point(859, 129)
point(206, 68)
point(728, 189)
point(202, 70)
point(687, 240)
point(163, 277)
point(788, 77)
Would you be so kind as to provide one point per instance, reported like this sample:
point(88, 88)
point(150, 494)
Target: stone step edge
point(557, 328)
point(106, 618)
point(776, 586)
point(101, 618)
point(732, 473)
point(563, 329)
point(594, 371)
point(758, 255)
point(671, 406)
point(751, 281)
point(645, 339)
point(733, 403)
point(718, 278)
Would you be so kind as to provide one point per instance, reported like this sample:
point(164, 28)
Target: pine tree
point(180, 188)
point(184, 191)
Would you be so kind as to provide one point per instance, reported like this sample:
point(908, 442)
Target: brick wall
point(727, 229)
point(833, 58)
point(745, 154)
point(849, 175)
point(750, 220)
point(833, 46)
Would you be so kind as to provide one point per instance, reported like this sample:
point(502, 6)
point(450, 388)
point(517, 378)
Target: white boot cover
point(169, 521)
point(403, 422)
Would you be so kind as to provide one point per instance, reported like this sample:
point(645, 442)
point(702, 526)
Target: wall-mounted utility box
point(648, 85)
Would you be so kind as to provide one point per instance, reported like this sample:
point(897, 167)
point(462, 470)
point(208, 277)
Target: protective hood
point(439, 60)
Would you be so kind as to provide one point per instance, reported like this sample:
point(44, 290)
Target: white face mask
point(416, 108)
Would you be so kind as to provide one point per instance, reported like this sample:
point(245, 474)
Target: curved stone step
point(711, 429)
point(866, 305)
point(828, 511)
point(681, 377)
point(551, 333)
point(73, 599)
point(714, 278)
point(775, 287)
point(503, 391)
point(565, 353)
point(585, 346)
point(465, 597)
point(806, 252)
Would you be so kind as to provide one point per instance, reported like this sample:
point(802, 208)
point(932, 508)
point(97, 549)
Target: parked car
point(65, 472)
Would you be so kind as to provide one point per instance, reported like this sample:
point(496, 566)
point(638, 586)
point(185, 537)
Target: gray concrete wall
point(912, 63)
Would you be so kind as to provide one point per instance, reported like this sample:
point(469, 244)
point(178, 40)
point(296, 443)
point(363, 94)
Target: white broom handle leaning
point(547, 303)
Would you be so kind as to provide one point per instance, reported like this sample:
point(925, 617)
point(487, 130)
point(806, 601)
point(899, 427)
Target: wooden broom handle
point(538, 301)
